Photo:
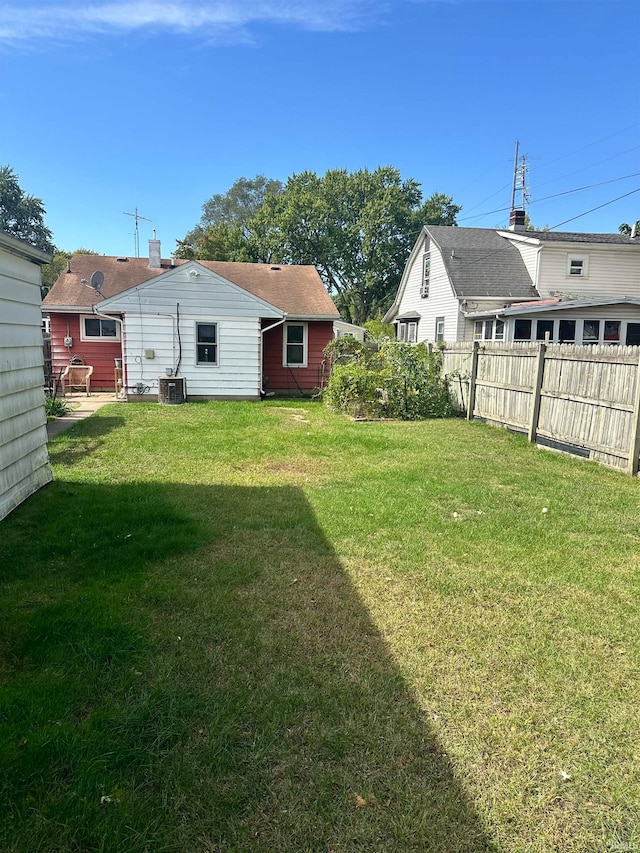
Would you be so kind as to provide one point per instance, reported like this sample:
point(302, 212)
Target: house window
point(206, 343)
point(612, 331)
point(488, 330)
point(407, 331)
point(591, 332)
point(295, 345)
point(439, 328)
point(544, 328)
point(426, 275)
point(92, 328)
point(577, 266)
point(567, 332)
point(522, 330)
point(499, 330)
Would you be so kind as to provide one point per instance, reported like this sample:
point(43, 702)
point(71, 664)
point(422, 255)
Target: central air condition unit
point(172, 390)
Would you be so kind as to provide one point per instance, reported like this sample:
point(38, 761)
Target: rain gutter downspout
point(118, 320)
point(262, 331)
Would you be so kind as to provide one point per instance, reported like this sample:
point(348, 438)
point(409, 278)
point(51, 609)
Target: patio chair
point(77, 377)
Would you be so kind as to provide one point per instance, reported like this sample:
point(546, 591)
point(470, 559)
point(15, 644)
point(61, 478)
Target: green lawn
point(264, 627)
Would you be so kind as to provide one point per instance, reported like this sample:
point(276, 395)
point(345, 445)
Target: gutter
point(118, 320)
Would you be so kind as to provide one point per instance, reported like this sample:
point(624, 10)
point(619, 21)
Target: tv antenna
point(136, 233)
point(519, 180)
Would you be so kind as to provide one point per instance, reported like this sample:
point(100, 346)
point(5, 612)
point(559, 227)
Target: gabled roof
point(481, 263)
point(296, 290)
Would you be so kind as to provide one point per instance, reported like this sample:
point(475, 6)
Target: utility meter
point(68, 342)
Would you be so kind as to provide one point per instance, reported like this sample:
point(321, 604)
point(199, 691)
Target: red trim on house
point(292, 380)
point(99, 353)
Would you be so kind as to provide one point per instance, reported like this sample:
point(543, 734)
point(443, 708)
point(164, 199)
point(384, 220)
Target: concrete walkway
point(83, 406)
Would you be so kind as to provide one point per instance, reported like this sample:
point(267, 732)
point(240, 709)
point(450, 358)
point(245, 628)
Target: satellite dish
point(97, 279)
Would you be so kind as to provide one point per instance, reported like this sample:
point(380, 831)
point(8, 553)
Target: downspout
point(118, 320)
point(262, 331)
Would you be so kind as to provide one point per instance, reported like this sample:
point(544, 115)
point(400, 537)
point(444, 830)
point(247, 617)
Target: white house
point(24, 461)
point(516, 285)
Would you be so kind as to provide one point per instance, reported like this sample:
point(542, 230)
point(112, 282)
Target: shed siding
point(292, 380)
point(610, 273)
point(441, 301)
point(24, 462)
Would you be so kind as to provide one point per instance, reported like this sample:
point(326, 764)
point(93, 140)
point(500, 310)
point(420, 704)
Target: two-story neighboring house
point(517, 285)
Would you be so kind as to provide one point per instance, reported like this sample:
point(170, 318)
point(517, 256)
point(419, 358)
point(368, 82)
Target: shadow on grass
point(190, 669)
point(83, 438)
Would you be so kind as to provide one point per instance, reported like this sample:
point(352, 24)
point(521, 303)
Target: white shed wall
point(24, 462)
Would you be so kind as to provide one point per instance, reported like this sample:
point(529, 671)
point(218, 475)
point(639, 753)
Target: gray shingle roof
point(574, 237)
point(480, 263)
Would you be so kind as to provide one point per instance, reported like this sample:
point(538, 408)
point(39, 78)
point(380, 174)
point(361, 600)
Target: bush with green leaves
point(400, 381)
point(56, 408)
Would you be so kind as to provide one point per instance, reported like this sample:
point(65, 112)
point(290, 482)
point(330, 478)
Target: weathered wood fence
point(583, 400)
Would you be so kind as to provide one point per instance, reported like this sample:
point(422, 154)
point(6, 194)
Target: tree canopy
point(356, 228)
point(627, 229)
point(22, 215)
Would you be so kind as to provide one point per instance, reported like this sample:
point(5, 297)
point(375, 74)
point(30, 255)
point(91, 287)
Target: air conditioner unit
point(172, 390)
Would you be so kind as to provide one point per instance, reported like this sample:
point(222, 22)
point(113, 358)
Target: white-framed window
point(294, 345)
point(488, 330)
point(439, 329)
point(426, 276)
point(577, 266)
point(522, 330)
point(94, 328)
point(407, 331)
point(207, 344)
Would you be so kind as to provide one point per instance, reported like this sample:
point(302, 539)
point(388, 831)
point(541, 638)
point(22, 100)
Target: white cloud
point(26, 22)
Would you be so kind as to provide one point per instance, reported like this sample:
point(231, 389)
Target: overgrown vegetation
point(397, 380)
point(55, 407)
point(244, 628)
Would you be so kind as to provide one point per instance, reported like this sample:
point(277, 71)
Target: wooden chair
point(77, 377)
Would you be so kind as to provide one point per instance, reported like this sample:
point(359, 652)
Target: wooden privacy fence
point(583, 400)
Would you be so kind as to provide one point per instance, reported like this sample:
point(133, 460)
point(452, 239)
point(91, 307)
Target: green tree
point(224, 231)
point(356, 228)
point(22, 215)
point(626, 229)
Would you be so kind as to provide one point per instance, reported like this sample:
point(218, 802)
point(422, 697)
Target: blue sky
point(108, 106)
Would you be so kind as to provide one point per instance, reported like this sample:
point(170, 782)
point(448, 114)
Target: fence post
point(473, 376)
point(634, 446)
point(537, 389)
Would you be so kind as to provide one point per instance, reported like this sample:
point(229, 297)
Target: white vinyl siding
point(611, 271)
point(441, 301)
point(24, 461)
point(151, 314)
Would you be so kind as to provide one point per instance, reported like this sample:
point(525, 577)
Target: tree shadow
point(191, 669)
point(82, 439)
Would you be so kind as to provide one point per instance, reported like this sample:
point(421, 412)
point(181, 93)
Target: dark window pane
point(295, 354)
point(108, 328)
point(567, 332)
point(295, 334)
point(522, 330)
point(544, 326)
point(207, 353)
point(591, 333)
point(612, 330)
point(206, 333)
point(92, 327)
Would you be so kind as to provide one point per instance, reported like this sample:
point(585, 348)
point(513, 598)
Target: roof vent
point(122, 260)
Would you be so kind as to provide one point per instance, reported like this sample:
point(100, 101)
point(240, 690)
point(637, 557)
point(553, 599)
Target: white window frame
point(497, 326)
point(440, 325)
point(100, 337)
point(305, 344)
point(583, 260)
point(206, 364)
point(426, 276)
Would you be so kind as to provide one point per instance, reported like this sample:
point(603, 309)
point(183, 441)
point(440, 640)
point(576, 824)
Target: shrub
point(56, 408)
point(400, 381)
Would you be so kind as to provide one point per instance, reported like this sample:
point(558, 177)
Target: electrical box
point(149, 353)
point(68, 342)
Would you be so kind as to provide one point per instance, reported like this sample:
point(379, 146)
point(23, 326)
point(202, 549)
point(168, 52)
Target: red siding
point(99, 353)
point(283, 378)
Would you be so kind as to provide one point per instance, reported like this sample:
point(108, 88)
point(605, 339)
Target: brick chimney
point(517, 221)
point(155, 262)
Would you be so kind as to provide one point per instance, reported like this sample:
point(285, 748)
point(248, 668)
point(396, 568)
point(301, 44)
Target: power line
point(595, 208)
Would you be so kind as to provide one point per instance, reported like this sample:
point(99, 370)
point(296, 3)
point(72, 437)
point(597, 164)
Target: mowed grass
point(264, 627)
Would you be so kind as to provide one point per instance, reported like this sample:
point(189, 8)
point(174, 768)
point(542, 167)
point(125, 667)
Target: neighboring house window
point(544, 328)
point(206, 343)
point(92, 328)
point(567, 331)
point(426, 275)
point(591, 332)
point(408, 331)
point(612, 331)
point(439, 328)
point(577, 266)
point(488, 330)
point(295, 345)
point(522, 330)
